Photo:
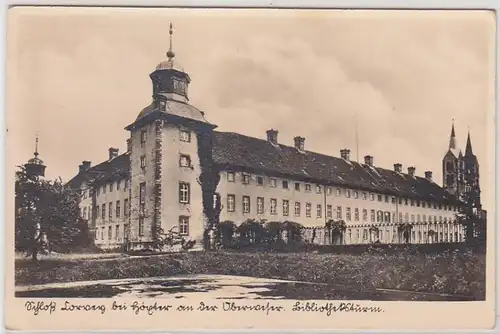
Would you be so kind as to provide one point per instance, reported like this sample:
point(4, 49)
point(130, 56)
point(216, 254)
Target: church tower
point(165, 159)
point(451, 168)
point(35, 167)
point(470, 165)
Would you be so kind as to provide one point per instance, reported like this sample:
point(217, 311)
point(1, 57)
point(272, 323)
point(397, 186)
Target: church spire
point(36, 146)
point(453, 144)
point(468, 147)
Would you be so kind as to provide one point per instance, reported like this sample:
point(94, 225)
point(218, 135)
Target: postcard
point(249, 169)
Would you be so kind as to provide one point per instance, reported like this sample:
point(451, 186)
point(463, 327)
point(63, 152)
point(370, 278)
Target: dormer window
point(162, 105)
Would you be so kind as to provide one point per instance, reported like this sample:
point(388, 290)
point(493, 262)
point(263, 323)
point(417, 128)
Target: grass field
point(450, 272)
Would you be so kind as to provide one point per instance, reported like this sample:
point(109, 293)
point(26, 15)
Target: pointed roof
point(453, 142)
point(468, 147)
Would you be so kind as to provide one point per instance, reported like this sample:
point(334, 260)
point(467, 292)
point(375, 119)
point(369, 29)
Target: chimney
point(398, 168)
point(113, 153)
point(344, 154)
point(411, 171)
point(299, 143)
point(272, 136)
point(428, 175)
point(84, 166)
point(129, 145)
point(368, 160)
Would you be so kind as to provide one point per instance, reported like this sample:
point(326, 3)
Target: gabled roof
point(117, 168)
point(235, 150)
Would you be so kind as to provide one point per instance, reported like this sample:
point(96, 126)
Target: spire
point(452, 136)
point(170, 53)
point(468, 147)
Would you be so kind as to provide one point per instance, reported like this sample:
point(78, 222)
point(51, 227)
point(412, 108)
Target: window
point(412, 202)
point(272, 181)
point(406, 201)
point(97, 211)
point(184, 225)
point(260, 180)
point(125, 207)
point(183, 192)
point(118, 209)
point(246, 179)
point(329, 190)
point(356, 214)
point(372, 215)
point(111, 187)
point(143, 161)
point(386, 199)
point(339, 212)
point(103, 211)
point(110, 232)
point(400, 201)
point(318, 189)
point(365, 215)
point(230, 177)
point(400, 217)
point(110, 208)
point(104, 189)
point(347, 193)
point(142, 199)
point(387, 217)
point(318, 211)
point(179, 87)
point(418, 203)
point(185, 160)
point(118, 184)
point(98, 191)
point(355, 193)
point(372, 197)
point(379, 198)
point(329, 211)
point(365, 196)
point(285, 207)
point(308, 187)
point(297, 186)
point(418, 219)
point(380, 216)
point(84, 214)
point(285, 184)
point(144, 135)
point(125, 187)
point(260, 205)
point(297, 209)
point(117, 231)
point(102, 233)
point(393, 200)
point(412, 218)
point(246, 204)
point(141, 226)
point(424, 218)
point(365, 234)
point(308, 209)
point(406, 218)
point(338, 191)
point(230, 203)
point(273, 206)
point(184, 135)
point(348, 214)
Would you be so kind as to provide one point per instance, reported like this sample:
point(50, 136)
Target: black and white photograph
point(240, 156)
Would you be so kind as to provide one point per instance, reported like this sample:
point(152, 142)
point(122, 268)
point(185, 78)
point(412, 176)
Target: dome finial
point(170, 53)
point(36, 145)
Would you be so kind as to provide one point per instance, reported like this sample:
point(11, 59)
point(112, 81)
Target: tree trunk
point(34, 254)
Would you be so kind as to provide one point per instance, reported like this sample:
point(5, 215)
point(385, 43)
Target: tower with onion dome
point(35, 166)
point(168, 142)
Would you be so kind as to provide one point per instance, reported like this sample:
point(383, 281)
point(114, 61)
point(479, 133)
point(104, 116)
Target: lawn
point(450, 272)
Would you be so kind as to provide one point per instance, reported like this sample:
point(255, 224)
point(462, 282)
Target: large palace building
point(176, 163)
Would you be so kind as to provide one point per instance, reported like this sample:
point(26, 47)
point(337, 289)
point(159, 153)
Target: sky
point(78, 76)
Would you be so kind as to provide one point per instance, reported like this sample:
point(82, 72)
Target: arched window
point(449, 166)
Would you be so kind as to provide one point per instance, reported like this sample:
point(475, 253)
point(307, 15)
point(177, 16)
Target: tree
point(170, 239)
point(47, 216)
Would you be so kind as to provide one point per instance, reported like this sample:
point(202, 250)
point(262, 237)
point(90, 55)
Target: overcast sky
point(79, 76)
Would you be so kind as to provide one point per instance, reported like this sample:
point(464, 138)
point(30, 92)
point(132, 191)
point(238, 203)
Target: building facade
point(177, 166)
